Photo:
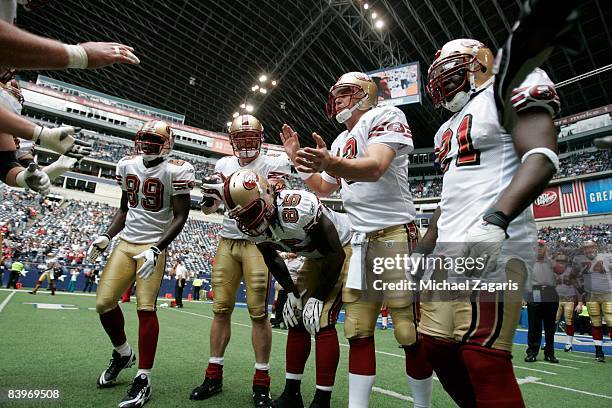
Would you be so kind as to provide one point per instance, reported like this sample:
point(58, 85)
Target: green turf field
point(66, 349)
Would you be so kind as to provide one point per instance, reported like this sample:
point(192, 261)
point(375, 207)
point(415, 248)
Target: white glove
point(97, 247)
point(484, 240)
point(34, 179)
point(292, 309)
point(312, 315)
point(150, 256)
point(60, 140)
point(61, 278)
point(60, 166)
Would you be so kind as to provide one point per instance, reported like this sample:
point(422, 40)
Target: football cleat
point(117, 363)
point(138, 394)
point(321, 399)
point(530, 358)
point(567, 348)
point(599, 355)
point(289, 400)
point(551, 359)
point(207, 389)
point(261, 397)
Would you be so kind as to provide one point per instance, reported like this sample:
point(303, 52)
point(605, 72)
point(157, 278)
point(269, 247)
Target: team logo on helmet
point(250, 181)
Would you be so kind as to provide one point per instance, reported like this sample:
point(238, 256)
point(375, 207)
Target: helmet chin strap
point(346, 114)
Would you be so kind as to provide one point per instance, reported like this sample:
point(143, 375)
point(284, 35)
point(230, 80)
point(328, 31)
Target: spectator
point(16, 271)
point(180, 273)
point(73, 280)
point(197, 286)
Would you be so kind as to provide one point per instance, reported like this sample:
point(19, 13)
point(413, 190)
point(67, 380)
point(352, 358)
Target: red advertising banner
point(547, 204)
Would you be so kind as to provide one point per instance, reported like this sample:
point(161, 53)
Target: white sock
point(124, 349)
point(145, 372)
point(325, 388)
point(598, 342)
point(262, 366)
point(216, 360)
point(360, 388)
point(292, 376)
point(569, 340)
point(421, 391)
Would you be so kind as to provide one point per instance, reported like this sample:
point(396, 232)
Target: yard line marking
point(558, 365)
point(534, 369)
point(579, 362)
point(527, 380)
point(393, 394)
point(574, 390)
point(8, 299)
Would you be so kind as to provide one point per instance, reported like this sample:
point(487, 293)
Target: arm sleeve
point(183, 178)
point(390, 127)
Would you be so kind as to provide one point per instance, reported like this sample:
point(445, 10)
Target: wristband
point(77, 56)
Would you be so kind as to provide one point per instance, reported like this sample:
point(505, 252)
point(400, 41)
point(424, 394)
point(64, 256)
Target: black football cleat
point(207, 389)
point(599, 354)
point(289, 400)
point(321, 399)
point(138, 394)
point(530, 358)
point(117, 363)
point(551, 359)
point(261, 397)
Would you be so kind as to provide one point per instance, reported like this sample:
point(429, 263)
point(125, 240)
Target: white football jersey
point(8, 101)
point(372, 206)
point(565, 283)
point(596, 273)
point(264, 165)
point(150, 192)
point(478, 159)
point(8, 11)
point(298, 212)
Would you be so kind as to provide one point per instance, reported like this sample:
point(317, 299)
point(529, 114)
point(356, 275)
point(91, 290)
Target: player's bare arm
point(534, 130)
point(377, 159)
point(277, 267)
point(329, 245)
point(30, 51)
point(118, 221)
point(180, 208)
point(427, 244)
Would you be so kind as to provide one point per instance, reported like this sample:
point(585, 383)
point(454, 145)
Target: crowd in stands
point(585, 163)
point(569, 240)
point(33, 226)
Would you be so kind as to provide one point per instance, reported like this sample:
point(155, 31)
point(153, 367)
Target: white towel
point(354, 279)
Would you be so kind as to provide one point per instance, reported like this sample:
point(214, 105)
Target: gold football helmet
point(154, 139)
point(246, 136)
point(360, 87)
point(250, 201)
point(460, 69)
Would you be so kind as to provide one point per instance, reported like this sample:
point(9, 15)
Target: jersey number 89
point(152, 191)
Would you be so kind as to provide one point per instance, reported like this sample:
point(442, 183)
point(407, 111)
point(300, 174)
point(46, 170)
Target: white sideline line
point(8, 299)
point(557, 365)
point(574, 390)
point(579, 362)
point(535, 369)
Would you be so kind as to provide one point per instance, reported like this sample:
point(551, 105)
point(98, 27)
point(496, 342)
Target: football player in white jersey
point(568, 289)
point(498, 151)
point(296, 221)
point(237, 258)
point(596, 273)
point(154, 207)
point(369, 162)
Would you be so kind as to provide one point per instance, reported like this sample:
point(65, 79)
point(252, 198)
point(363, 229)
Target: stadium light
point(263, 78)
point(229, 124)
point(254, 88)
point(379, 24)
point(235, 115)
point(263, 90)
point(243, 105)
point(249, 108)
point(366, 6)
point(374, 15)
point(274, 82)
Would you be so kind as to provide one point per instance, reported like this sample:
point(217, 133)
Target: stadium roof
point(226, 45)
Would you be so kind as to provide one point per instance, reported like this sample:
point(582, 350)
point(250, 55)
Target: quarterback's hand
point(292, 309)
point(34, 179)
point(102, 54)
point(97, 247)
point(311, 316)
point(313, 159)
point(60, 140)
point(484, 240)
point(291, 141)
point(150, 256)
point(60, 166)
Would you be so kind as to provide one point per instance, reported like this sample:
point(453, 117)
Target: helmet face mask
point(154, 140)
point(460, 69)
point(250, 200)
point(246, 136)
point(359, 87)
